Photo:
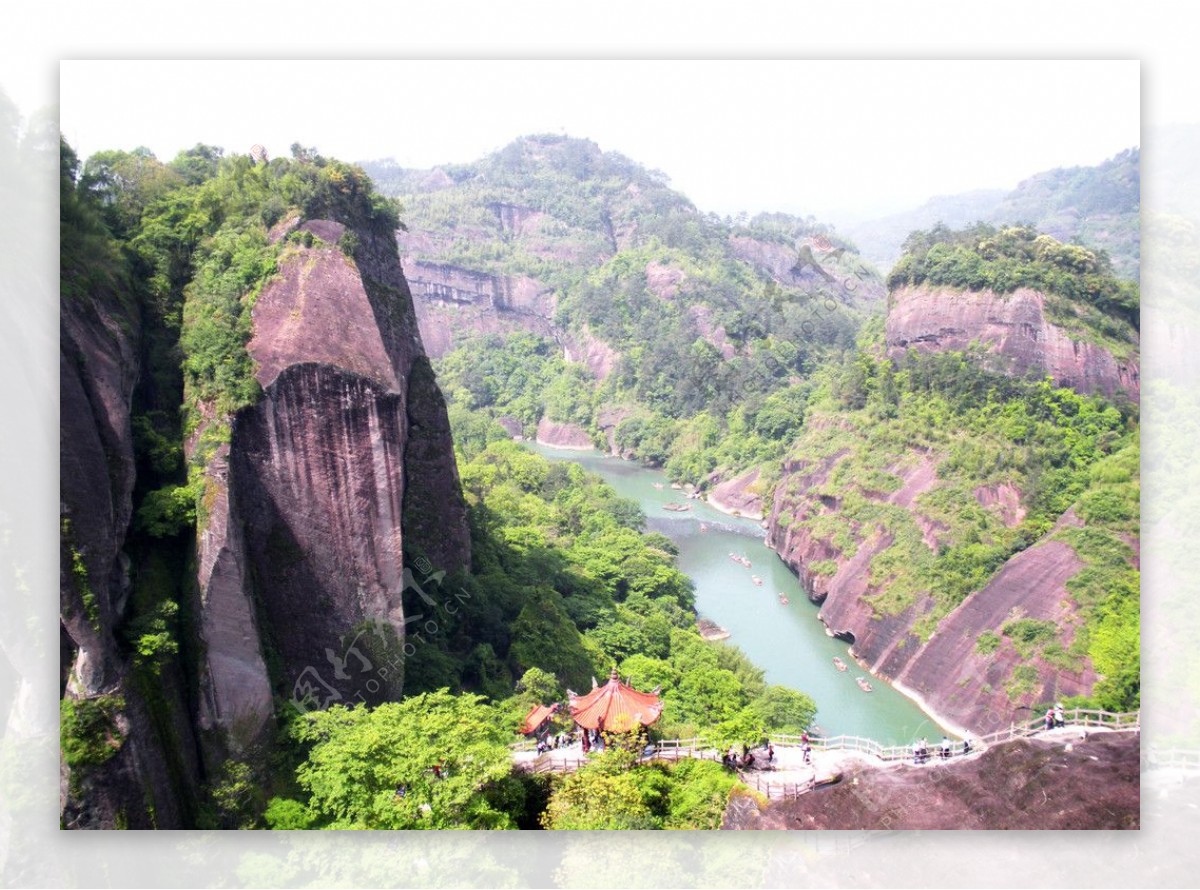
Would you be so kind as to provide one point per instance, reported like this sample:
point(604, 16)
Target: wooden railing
point(698, 747)
point(1085, 717)
point(546, 764)
point(780, 790)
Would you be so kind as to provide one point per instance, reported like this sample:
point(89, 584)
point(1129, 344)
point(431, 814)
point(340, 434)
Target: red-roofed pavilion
point(537, 717)
point(615, 707)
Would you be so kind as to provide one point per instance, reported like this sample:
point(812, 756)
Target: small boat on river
point(863, 684)
point(757, 580)
point(783, 600)
point(677, 508)
point(838, 663)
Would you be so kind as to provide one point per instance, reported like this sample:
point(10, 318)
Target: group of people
point(732, 760)
point(945, 750)
point(1055, 716)
point(558, 740)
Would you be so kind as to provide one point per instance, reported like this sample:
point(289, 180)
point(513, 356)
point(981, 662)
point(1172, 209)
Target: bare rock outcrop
point(810, 264)
point(739, 495)
point(562, 435)
point(1026, 784)
point(587, 349)
point(714, 335)
point(968, 685)
point(1016, 331)
point(664, 281)
point(453, 303)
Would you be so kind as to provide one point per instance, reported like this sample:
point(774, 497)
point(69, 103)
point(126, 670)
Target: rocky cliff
point(341, 470)
point(871, 524)
point(1017, 332)
point(325, 496)
point(453, 302)
point(132, 759)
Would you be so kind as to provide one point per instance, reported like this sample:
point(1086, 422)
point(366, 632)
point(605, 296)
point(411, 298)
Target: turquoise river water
point(787, 642)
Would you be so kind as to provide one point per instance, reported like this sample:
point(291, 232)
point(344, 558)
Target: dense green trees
point(431, 761)
point(614, 793)
point(565, 585)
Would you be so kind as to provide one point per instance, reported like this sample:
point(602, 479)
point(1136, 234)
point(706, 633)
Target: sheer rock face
point(946, 671)
point(98, 369)
point(235, 688)
point(149, 781)
point(1015, 330)
point(343, 465)
point(452, 302)
point(969, 687)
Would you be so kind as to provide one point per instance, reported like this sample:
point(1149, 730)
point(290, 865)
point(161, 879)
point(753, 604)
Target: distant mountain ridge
point(672, 311)
point(1096, 206)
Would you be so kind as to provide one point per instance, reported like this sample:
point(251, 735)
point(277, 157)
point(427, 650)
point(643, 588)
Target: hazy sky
point(830, 138)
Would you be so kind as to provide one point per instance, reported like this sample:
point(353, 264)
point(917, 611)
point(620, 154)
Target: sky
point(836, 139)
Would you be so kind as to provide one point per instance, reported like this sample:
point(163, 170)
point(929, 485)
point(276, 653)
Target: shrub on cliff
point(88, 730)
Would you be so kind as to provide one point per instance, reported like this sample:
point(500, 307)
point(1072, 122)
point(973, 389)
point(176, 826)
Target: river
point(788, 642)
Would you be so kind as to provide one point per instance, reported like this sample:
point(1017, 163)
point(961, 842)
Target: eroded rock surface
point(1028, 784)
point(1015, 330)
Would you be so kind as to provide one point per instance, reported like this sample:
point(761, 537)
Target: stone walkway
point(789, 768)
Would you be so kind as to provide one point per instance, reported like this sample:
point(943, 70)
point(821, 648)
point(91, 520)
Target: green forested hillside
point(1061, 451)
point(708, 318)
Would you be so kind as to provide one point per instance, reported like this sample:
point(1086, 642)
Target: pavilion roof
point(620, 707)
point(536, 717)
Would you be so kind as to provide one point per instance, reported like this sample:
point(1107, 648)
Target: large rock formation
point(342, 469)
point(149, 774)
point(562, 435)
point(318, 502)
point(969, 686)
point(740, 496)
point(98, 368)
point(1017, 333)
